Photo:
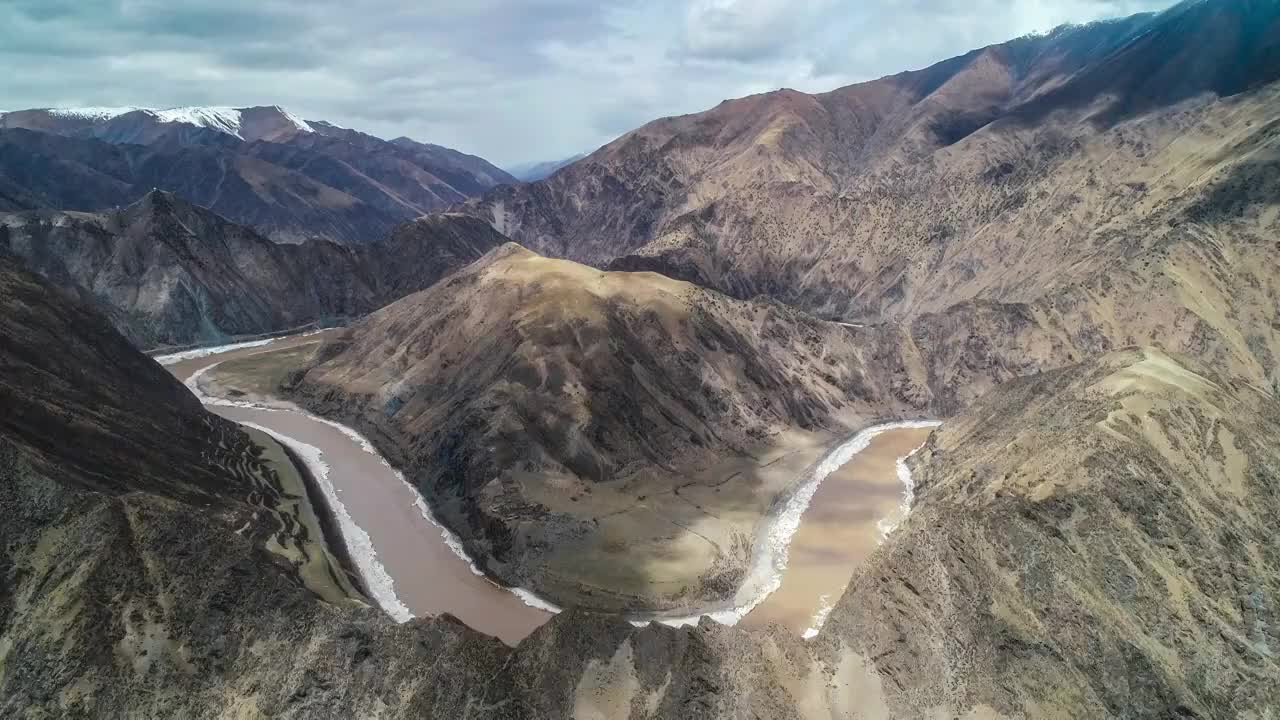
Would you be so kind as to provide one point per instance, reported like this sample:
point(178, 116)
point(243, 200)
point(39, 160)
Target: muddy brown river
point(429, 578)
point(411, 569)
point(844, 523)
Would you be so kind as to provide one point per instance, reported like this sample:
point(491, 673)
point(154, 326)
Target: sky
point(514, 81)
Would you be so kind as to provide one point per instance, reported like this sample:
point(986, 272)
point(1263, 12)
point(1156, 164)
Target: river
point(411, 569)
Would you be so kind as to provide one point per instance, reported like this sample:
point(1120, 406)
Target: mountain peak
point(261, 122)
point(156, 203)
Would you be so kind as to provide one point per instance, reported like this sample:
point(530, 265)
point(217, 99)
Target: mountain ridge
point(171, 273)
point(641, 193)
point(290, 178)
point(1039, 177)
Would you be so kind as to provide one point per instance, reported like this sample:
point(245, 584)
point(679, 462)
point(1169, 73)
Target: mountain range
point(1057, 195)
point(289, 178)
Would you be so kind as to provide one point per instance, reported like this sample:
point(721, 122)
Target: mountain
point(169, 273)
point(160, 561)
point(289, 178)
point(471, 175)
point(529, 172)
point(535, 401)
point(1066, 246)
point(1088, 542)
point(1056, 180)
point(183, 126)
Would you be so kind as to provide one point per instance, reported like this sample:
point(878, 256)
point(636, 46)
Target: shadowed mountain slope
point(152, 554)
point(170, 273)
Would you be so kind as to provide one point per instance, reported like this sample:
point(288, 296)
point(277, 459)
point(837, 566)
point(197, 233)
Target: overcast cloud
point(511, 80)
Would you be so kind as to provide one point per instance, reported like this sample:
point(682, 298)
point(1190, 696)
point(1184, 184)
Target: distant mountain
point(290, 178)
point(528, 172)
point(169, 273)
point(142, 126)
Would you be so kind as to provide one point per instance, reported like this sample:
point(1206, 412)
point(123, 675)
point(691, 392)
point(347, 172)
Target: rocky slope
point(580, 429)
point(1091, 542)
point(169, 273)
point(1085, 187)
point(151, 564)
point(289, 178)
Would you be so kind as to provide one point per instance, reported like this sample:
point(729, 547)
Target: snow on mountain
point(222, 119)
point(91, 113)
point(297, 121)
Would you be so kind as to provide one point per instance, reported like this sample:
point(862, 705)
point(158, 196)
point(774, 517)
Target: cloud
point(512, 80)
point(750, 30)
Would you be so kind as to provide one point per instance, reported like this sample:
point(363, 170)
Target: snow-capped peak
point(297, 121)
point(91, 113)
point(222, 119)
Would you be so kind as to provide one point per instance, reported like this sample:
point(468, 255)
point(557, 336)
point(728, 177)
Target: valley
point(950, 393)
point(414, 567)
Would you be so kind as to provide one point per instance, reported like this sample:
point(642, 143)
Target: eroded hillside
point(608, 439)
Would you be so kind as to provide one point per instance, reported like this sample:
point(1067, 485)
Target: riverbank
point(408, 564)
point(327, 521)
point(306, 537)
point(858, 474)
point(849, 515)
point(167, 355)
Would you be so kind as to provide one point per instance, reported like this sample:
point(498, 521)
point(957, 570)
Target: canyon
point(948, 394)
point(1080, 468)
point(610, 441)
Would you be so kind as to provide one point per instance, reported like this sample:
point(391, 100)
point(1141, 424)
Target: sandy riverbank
point(859, 467)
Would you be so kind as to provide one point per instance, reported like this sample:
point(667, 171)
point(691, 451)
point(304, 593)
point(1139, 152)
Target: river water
point(849, 515)
point(405, 547)
point(411, 569)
